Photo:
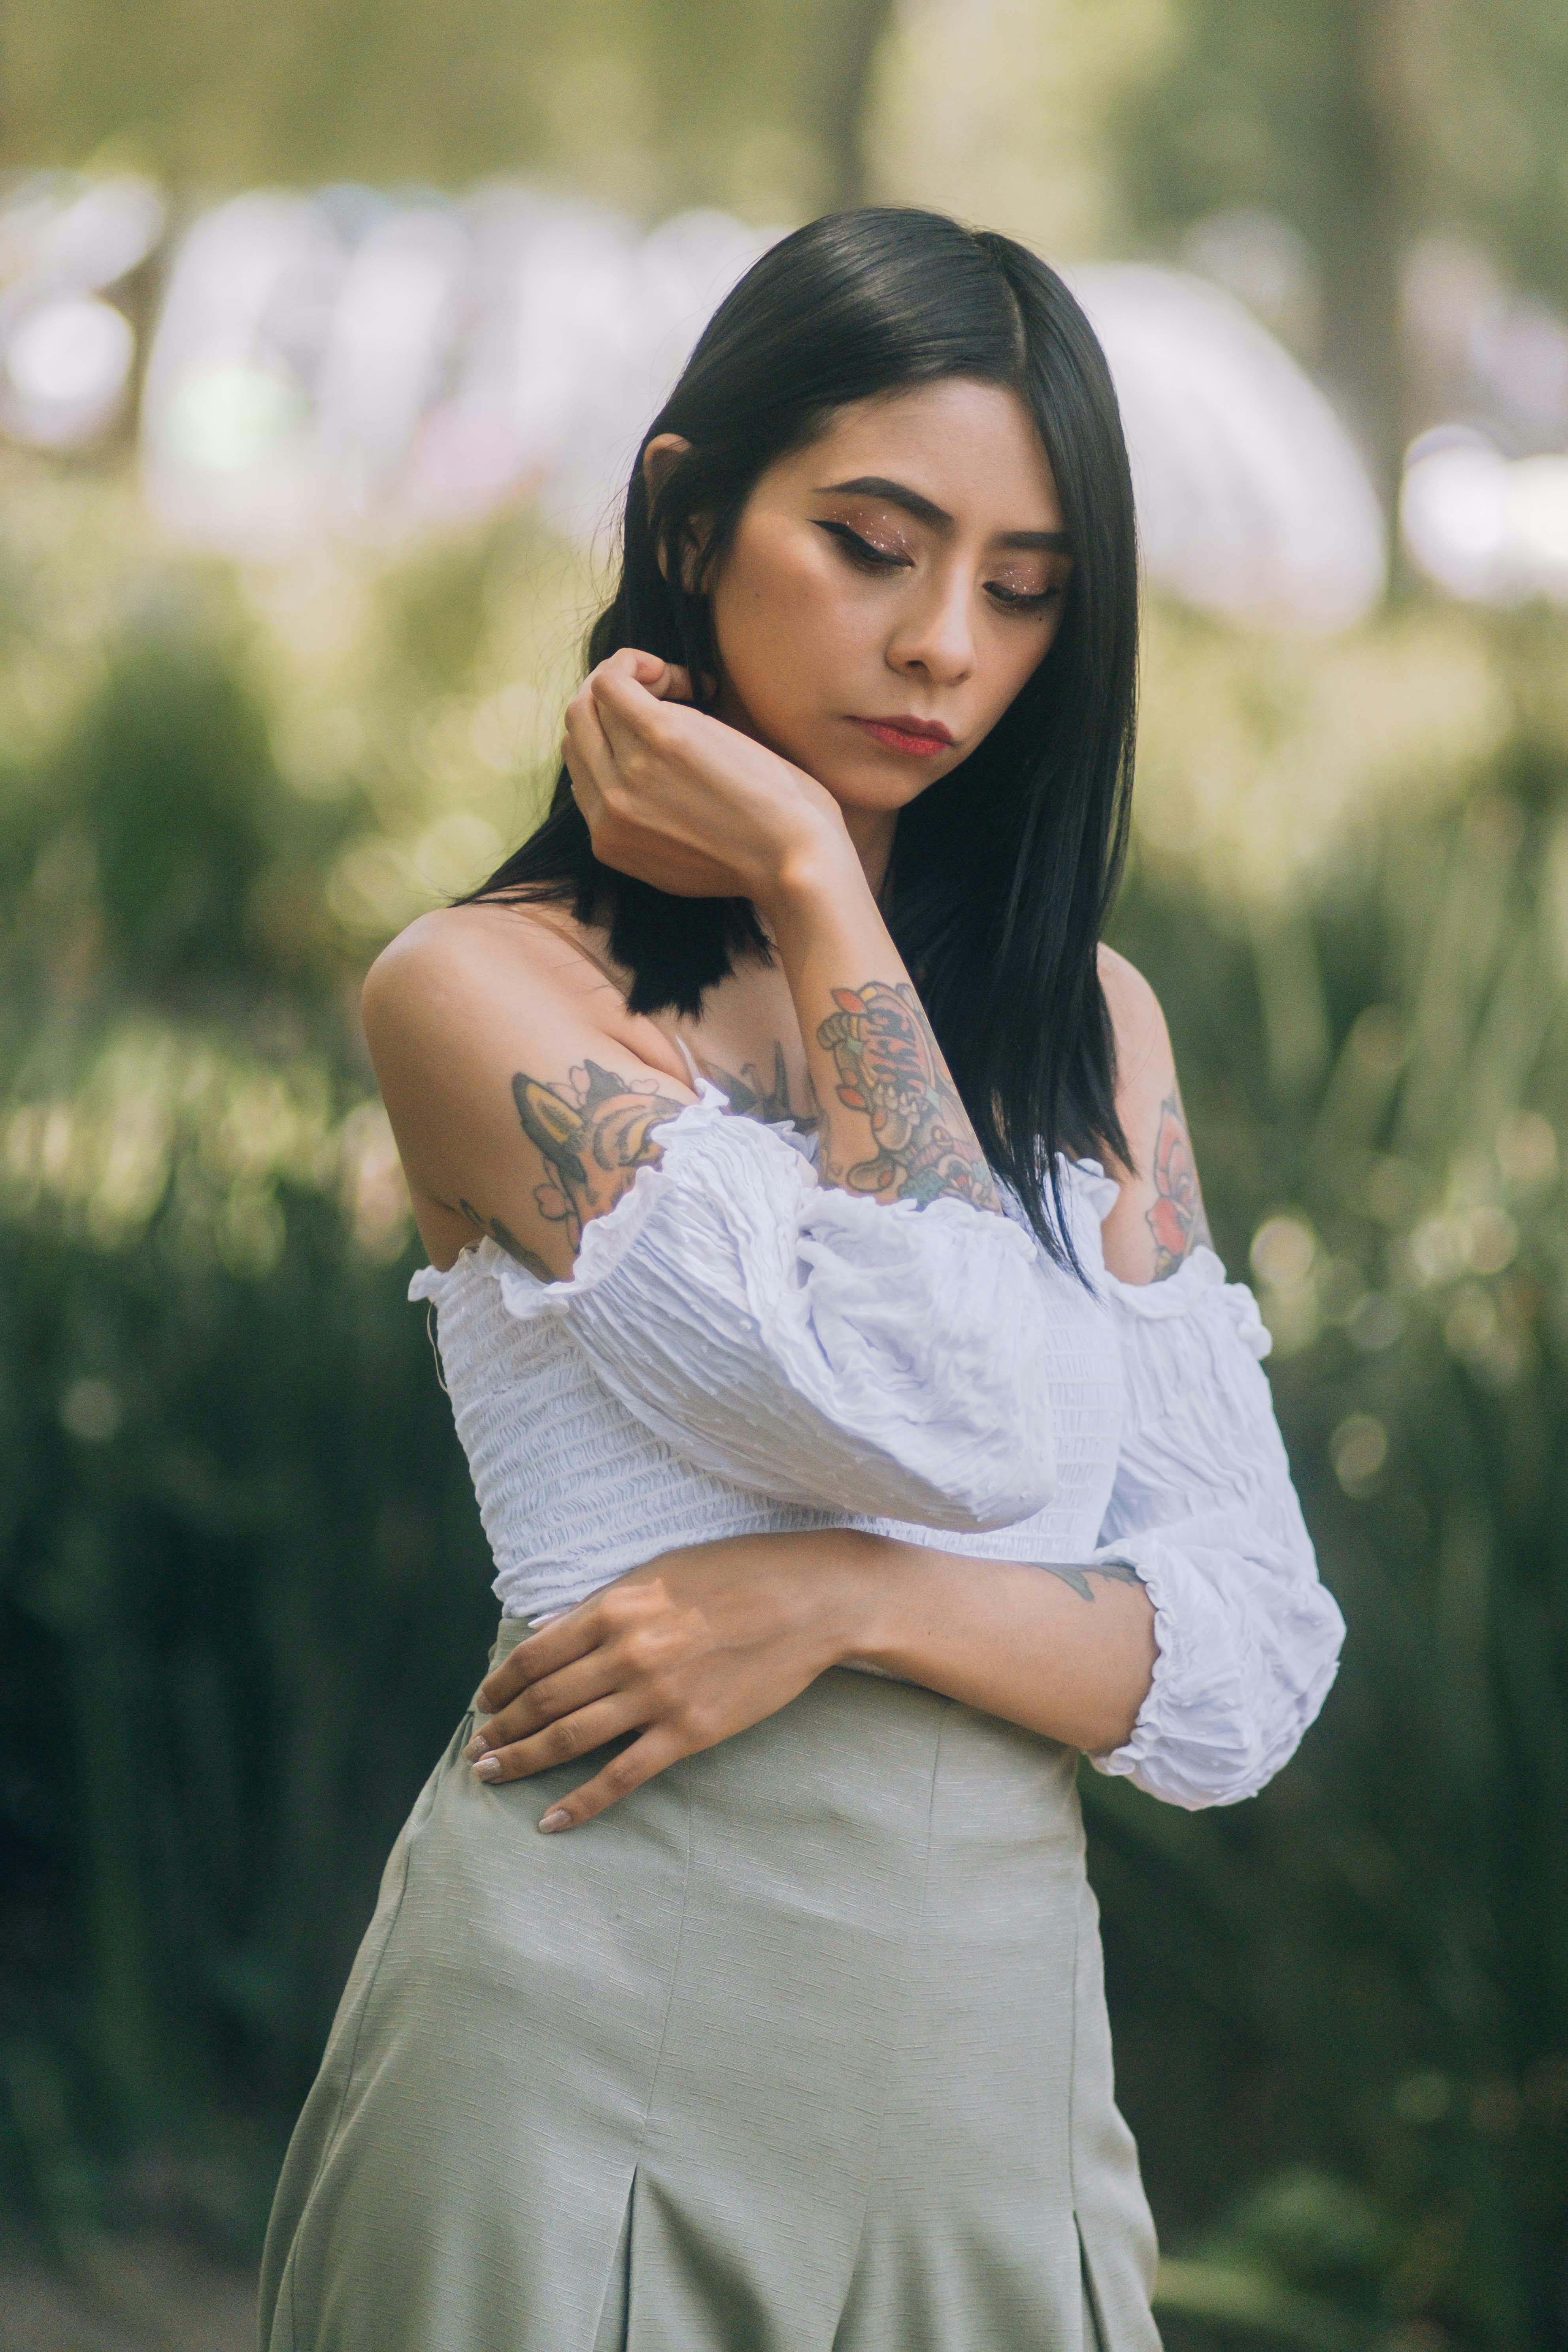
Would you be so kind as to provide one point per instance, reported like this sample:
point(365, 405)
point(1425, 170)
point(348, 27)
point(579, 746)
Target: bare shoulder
point(444, 957)
point(503, 1047)
point(1142, 1040)
point(1159, 1220)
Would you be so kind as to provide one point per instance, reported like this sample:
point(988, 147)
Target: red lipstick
point(921, 737)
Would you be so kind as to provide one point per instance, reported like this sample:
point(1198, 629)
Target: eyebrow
point(926, 511)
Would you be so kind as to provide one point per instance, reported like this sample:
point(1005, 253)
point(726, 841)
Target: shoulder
point(442, 956)
point(1158, 1219)
point(1146, 1065)
point(460, 976)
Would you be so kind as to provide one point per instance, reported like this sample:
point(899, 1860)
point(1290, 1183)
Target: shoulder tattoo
point(1176, 1218)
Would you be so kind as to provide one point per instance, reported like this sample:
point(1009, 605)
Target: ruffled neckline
point(606, 1239)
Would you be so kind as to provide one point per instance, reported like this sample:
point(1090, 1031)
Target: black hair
point(1003, 872)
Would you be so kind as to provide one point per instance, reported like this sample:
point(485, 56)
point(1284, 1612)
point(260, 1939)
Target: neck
point(872, 831)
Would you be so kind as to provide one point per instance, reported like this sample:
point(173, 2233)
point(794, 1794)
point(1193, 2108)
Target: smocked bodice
point(740, 1351)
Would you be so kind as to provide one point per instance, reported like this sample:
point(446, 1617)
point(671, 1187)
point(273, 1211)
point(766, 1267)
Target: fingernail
point(487, 1768)
point(475, 1749)
point(557, 1817)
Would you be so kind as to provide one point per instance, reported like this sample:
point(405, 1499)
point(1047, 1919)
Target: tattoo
point(1077, 1573)
point(749, 1098)
point(1176, 1219)
point(508, 1240)
point(593, 1137)
point(890, 1067)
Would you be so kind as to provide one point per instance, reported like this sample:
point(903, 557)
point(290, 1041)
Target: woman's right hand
point(675, 798)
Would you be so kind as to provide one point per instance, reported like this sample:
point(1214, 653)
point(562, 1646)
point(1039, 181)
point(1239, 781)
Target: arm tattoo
point(1176, 1219)
point(1077, 1573)
point(890, 1067)
point(749, 1098)
point(508, 1240)
point(593, 1136)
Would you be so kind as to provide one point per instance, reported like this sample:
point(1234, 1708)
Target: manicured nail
point(557, 1817)
point(487, 1768)
point(475, 1749)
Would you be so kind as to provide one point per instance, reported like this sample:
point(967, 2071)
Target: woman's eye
point(1019, 600)
point(875, 558)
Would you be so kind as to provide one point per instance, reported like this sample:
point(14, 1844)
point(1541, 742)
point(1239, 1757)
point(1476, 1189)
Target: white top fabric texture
point(741, 1349)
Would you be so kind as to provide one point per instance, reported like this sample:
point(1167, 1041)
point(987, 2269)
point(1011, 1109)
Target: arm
point(812, 1342)
point(678, 799)
point(1191, 1654)
point(707, 1641)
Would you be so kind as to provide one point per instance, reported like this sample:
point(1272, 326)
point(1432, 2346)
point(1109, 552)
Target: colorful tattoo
point(1176, 1219)
point(592, 1137)
point(890, 1068)
point(749, 1098)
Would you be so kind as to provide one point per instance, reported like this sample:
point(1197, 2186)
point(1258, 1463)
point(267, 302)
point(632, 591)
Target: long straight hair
point(1003, 872)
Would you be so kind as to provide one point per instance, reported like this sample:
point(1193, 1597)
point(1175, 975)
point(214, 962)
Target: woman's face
point(890, 588)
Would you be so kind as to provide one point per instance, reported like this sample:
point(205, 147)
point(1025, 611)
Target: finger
point(570, 1635)
point(614, 694)
point(665, 681)
point(589, 760)
point(654, 1752)
point(575, 1685)
point(630, 661)
point(558, 1743)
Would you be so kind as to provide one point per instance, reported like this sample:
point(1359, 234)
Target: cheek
point(786, 625)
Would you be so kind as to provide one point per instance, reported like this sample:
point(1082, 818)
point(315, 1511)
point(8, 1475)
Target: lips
point(922, 737)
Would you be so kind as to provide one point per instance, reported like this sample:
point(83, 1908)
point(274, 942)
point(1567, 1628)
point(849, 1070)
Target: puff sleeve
point(1203, 1506)
point(812, 1344)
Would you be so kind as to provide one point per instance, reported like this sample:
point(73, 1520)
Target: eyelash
point(871, 558)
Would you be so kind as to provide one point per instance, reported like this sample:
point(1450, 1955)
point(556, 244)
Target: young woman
point(862, 1425)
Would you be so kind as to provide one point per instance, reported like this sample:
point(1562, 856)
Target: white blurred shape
point(229, 450)
point(1252, 499)
point(1264, 261)
point(66, 359)
point(392, 331)
point(66, 365)
point(59, 231)
point(101, 236)
point(1486, 527)
point(345, 363)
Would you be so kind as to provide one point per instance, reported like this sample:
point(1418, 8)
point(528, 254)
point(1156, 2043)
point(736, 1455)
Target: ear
point(659, 456)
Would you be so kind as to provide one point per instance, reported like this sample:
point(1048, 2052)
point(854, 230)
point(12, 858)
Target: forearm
point(1067, 1652)
point(892, 1125)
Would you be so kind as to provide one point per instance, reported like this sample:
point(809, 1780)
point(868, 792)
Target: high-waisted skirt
point(800, 2048)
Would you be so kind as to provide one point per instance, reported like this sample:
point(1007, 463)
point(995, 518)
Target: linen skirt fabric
point(800, 2048)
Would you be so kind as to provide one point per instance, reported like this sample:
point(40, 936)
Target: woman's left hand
point(687, 1650)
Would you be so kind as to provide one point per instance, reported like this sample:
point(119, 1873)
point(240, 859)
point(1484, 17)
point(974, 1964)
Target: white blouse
point(741, 1349)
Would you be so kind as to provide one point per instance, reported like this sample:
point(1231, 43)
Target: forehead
point(971, 448)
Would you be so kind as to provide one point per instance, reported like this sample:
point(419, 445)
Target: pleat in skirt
point(801, 2048)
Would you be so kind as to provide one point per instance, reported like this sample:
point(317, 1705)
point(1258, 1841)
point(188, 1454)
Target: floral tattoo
point(1176, 1219)
point(889, 1066)
point(593, 1138)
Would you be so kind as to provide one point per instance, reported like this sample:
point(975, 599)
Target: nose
point(934, 638)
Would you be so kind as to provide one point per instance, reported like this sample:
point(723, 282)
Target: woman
point(823, 1286)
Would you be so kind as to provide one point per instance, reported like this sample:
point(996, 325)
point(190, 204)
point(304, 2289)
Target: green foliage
point(1354, 1991)
point(242, 1588)
point(750, 103)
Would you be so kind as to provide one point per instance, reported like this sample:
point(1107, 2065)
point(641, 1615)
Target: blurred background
point(326, 334)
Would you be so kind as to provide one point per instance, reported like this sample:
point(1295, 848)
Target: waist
point(912, 1780)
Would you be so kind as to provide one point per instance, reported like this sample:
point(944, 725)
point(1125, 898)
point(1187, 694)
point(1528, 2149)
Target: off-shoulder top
point(741, 1349)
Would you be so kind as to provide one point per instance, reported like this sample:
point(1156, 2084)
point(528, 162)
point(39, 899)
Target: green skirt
point(801, 2048)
